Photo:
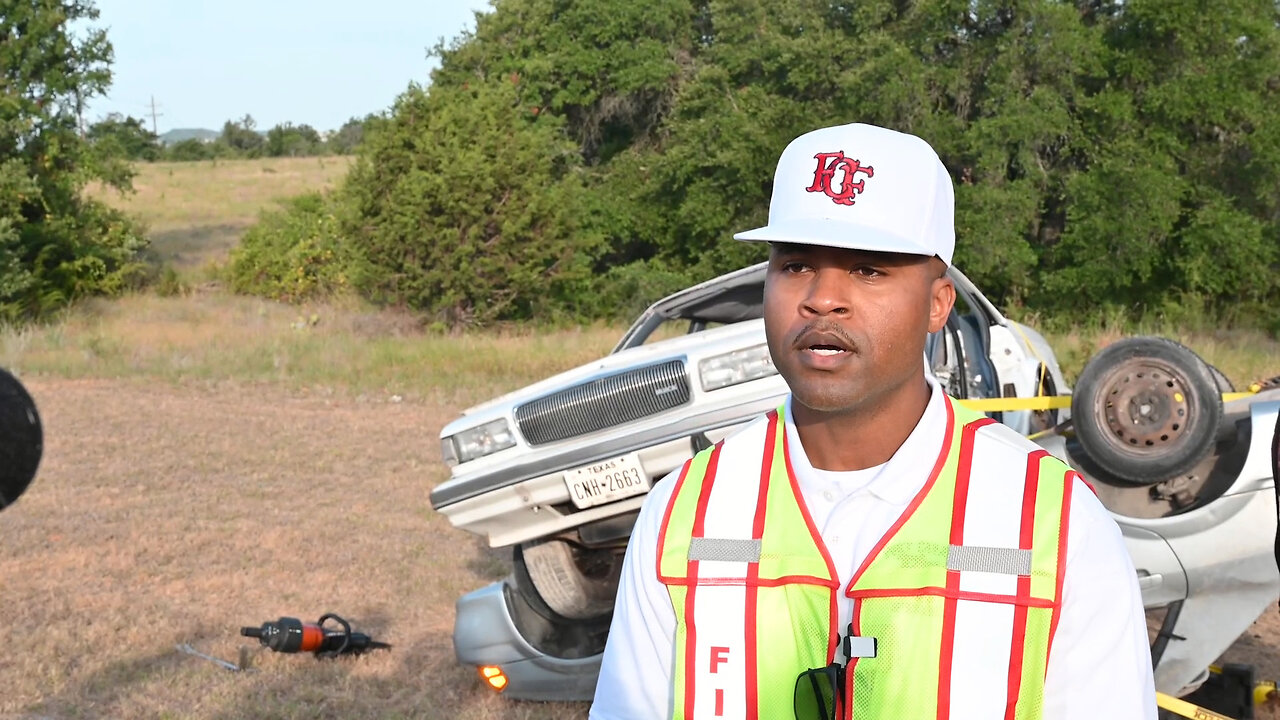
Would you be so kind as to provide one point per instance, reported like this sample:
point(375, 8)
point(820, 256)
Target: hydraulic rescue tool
point(291, 635)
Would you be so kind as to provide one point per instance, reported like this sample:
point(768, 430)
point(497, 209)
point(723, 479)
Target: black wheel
point(569, 581)
point(1222, 381)
point(1146, 409)
point(21, 439)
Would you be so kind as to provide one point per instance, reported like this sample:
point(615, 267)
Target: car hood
point(622, 360)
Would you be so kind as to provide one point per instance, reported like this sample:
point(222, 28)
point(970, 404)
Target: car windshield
point(730, 298)
point(739, 296)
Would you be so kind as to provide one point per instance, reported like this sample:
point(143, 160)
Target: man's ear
point(942, 296)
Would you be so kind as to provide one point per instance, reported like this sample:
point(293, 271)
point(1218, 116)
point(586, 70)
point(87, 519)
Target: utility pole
point(154, 115)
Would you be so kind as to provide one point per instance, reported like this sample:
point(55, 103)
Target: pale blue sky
point(318, 62)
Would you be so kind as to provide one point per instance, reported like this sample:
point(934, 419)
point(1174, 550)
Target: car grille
point(604, 402)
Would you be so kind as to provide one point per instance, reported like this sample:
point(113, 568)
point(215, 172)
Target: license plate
point(606, 481)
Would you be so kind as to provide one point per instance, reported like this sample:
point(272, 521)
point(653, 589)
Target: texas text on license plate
point(606, 481)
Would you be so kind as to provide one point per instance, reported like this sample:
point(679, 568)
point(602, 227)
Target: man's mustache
point(824, 332)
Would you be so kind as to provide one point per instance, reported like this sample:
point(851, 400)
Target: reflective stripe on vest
point(728, 577)
point(966, 585)
point(962, 592)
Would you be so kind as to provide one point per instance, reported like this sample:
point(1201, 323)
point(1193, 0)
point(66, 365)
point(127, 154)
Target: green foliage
point(55, 244)
point(470, 206)
point(169, 284)
point(347, 138)
point(119, 136)
point(297, 253)
point(289, 140)
point(241, 137)
point(579, 156)
point(189, 150)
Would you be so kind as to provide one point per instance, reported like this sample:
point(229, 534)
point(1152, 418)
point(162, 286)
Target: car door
point(959, 355)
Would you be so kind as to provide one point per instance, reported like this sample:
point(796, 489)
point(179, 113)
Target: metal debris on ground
point(244, 658)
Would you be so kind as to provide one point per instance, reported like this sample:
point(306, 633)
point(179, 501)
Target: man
point(938, 564)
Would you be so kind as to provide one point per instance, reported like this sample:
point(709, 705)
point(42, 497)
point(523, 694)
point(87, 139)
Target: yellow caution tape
point(1044, 402)
point(1047, 402)
point(1185, 709)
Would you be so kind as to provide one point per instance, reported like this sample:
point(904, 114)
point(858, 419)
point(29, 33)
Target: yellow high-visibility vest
point(962, 593)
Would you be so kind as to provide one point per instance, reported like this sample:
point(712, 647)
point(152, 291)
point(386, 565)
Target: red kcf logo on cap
point(823, 176)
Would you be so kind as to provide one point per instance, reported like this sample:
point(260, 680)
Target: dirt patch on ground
point(166, 515)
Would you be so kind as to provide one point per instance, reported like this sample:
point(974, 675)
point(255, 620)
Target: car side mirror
point(21, 439)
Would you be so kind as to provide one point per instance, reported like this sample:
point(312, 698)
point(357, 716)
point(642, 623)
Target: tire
point(21, 439)
point(569, 581)
point(1146, 409)
point(1042, 420)
point(1221, 380)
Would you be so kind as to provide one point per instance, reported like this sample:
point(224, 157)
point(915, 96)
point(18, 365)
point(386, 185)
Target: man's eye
point(866, 271)
point(794, 267)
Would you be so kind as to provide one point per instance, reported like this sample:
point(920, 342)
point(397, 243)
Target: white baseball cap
point(861, 187)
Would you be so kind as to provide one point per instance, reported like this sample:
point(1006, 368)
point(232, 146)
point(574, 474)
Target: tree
point(241, 138)
point(189, 149)
point(347, 138)
point(55, 244)
point(470, 208)
point(124, 136)
point(288, 140)
point(1119, 154)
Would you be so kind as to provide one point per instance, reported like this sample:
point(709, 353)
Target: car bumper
point(485, 633)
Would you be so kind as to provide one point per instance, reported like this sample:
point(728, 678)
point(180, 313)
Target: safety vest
point(962, 593)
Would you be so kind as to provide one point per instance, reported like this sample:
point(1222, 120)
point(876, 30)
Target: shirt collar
point(908, 470)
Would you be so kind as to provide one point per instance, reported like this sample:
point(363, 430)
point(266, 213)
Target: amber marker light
point(494, 677)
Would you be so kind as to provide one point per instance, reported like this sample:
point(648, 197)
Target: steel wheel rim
point(1146, 406)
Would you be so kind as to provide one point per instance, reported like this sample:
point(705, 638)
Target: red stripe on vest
point(758, 583)
point(953, 594)
point(753, 569)
point(834, 582)
point(1025, 536)
point(915, 501)
point(666, 517)
point(699, 527)
point(1062, 555)
point(897, 525)
point(959, 502)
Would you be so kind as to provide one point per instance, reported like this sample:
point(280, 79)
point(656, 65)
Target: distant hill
point(180, 134)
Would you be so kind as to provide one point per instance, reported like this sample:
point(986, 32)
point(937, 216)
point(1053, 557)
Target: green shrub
point(169, 283)
point(56, 245)
point(623, 292)
point(471, 207)
point(296, 253)
point(189, 150)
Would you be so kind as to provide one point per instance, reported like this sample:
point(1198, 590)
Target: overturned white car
point(558, 471)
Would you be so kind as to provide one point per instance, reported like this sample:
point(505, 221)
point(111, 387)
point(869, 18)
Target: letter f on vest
point(719, 656)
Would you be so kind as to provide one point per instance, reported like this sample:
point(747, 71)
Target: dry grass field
point(197, 211)
point(215, 461)
point(177, 513)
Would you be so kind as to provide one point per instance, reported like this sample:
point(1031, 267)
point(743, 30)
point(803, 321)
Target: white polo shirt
point(1100, 664)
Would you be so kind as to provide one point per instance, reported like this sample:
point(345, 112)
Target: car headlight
point(478, 441)
point(736, 367)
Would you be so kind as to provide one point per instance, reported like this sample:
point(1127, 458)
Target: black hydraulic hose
point(1166, 632)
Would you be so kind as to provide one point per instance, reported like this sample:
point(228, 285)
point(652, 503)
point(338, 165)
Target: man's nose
point(828, 293)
